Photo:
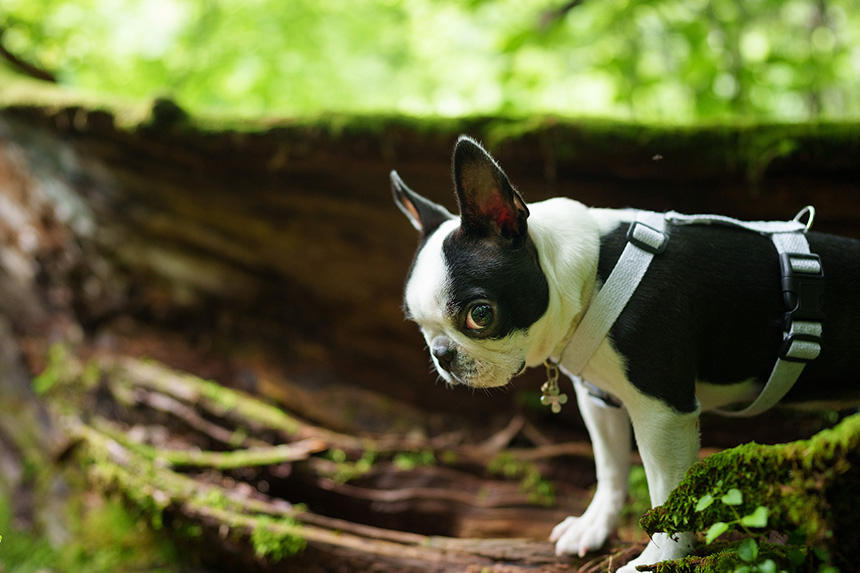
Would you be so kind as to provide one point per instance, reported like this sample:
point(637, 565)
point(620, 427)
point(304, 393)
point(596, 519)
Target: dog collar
point(646, 237)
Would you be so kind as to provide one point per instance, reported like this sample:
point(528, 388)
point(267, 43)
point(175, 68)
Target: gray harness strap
point(645, 238)
point(802, 276)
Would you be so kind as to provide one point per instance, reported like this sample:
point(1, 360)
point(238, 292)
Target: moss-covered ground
point(101, 535)
point(800, 495)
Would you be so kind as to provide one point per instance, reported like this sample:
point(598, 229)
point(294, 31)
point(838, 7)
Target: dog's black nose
point(443, 351)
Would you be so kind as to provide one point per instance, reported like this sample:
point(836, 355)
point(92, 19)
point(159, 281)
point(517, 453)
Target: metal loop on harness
point(808, 210)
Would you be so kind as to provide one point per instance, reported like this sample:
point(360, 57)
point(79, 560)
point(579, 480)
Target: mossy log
point(809, 489)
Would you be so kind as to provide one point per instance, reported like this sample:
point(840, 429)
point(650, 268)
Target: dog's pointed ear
point(489, 205)
point(424, 214)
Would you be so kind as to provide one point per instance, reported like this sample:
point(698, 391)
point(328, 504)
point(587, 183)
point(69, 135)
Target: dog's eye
point(480, 316)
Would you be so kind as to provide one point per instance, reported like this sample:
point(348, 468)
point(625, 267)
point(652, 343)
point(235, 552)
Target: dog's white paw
point(579, 535)
point(661, 548)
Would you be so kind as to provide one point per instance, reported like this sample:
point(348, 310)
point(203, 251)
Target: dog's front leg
point(668, 442)
point(609, 429)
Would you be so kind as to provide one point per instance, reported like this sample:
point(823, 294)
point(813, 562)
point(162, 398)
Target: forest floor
point(199, 475)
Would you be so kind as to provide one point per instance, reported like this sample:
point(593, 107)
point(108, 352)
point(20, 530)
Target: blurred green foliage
point(104, 536)
point(661, 60)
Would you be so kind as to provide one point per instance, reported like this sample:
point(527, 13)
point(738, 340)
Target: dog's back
point(710, 309)
point(834, 375)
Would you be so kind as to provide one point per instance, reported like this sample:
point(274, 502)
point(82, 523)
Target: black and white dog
point(503, 286)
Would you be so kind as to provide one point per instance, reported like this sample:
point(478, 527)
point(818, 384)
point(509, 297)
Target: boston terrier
point(504, 286)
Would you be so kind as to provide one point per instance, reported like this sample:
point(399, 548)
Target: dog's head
point(476, 286)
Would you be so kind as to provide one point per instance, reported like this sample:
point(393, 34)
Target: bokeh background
point(676, 61)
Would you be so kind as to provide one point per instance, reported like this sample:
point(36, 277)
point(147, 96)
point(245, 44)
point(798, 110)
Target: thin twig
point(168, 405)
point(501, 439)
point(24, 66)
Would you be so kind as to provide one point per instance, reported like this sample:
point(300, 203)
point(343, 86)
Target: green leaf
point(704, 502)
point(733, 497)
point(748, 550)
point(716, 530)
point(767, 566)
point(758, 518)
point(742, 569)
point(45, 381)
point(796, 556)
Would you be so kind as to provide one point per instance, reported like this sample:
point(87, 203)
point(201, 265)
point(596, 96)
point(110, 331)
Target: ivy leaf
point(716, 530)
point(704, 502)
point(758, 518)
point(748, 550)
point(733, 497)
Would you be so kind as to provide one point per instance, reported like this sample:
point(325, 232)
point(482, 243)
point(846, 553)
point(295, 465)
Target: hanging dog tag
point(550, 394)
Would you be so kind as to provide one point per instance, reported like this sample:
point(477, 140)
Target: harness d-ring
point(808, 210)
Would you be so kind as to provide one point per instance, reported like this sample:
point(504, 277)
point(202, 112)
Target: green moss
point(16, 90)
point(729, 558)
point(65, 378)
point(347, 471)
point(272, 542)
point(736, 149)
point(411, 460)
point(802, 485)
point(777, 476)
point(22, 551)
point(56, 370)
point(638, 497)
point(104, 536)
point(241, 458)
point(152, 489)
point(538, 489)
point(210, 395)
point(113, 537)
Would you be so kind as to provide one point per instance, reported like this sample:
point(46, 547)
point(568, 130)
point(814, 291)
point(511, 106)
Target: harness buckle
point(647, 237)
point(803, 294)
point(802, 286)
point(800, 348)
